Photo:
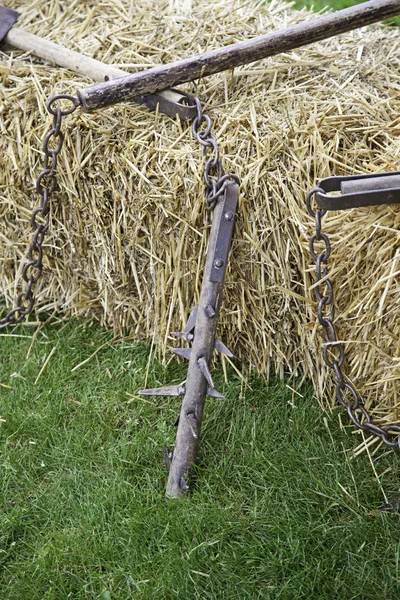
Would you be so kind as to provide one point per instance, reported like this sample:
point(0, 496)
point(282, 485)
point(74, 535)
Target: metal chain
point(45, 185)
point(215, 178)
point(333, 351)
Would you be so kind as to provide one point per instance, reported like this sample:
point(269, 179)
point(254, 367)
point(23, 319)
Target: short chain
point(333, 351)
point(215, 178)
point(45, 185)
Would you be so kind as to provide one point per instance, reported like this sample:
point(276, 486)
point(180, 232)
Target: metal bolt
point(210, 311)
point(228, 216)
point(218, 263)
point(390, 198)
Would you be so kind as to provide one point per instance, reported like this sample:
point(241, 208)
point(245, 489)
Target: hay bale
point(128, 226)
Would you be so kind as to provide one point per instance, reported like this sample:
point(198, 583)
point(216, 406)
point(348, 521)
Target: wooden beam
point(234, 55)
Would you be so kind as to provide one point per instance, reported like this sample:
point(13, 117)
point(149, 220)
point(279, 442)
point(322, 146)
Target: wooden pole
point(186, 446)
point(168, 102)
point(63, 57)
point(202, 65)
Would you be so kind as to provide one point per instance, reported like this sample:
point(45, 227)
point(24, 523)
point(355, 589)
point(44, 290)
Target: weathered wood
point(187, 438)
point(202, 65)
point(63, 57)
point(90, 67)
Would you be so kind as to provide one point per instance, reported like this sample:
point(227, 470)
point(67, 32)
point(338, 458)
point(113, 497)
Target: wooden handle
point(241, 53)
point(169, 102)
point(69, 59)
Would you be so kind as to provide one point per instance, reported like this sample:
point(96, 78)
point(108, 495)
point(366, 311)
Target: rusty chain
point(215, 178)
point(45, 185)
point(333, 351)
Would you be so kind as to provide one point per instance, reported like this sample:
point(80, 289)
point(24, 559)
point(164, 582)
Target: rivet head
point(210, 311)
point(218, 263)
point(228, 216)
point(390, 198)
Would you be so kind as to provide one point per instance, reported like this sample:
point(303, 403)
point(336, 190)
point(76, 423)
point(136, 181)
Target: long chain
point(333, 351)
point(45, 185)
point(216, 180)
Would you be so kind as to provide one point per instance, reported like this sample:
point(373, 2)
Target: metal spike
point(191, 322)
point(192, 422)
point(168, 390)
point(393, 505)
point(167, 457)
point(210, 311)
point(203, 366)
point(213, 393)
point(183, 484)
point(220, 347)
point(187, 337)
point(184, 352)
point(187, 334)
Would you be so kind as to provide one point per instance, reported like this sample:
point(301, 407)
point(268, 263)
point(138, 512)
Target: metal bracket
point(225, 231)
point(172, 102)
point(359, 190)
point(7, 19)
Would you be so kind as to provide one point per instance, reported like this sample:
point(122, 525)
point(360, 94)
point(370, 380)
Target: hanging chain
point(333, 351)
point(45, 185)
point(215, 178)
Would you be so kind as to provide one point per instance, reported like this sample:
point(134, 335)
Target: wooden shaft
point(241, 53)
point(168, 101)
point(63, 57)
point(90, 67)
point(187, 437)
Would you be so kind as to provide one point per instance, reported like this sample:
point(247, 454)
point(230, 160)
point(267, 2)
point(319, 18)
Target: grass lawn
point(280, 508)
point(334, 4)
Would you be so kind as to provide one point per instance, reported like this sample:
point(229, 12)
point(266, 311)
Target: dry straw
point(128, 226)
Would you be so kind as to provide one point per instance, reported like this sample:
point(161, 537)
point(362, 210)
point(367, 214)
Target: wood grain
point(234, 55)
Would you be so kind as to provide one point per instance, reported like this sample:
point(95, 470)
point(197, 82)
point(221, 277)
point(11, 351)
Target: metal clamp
point(358, 190)
point(172, 102)
point(8, 17)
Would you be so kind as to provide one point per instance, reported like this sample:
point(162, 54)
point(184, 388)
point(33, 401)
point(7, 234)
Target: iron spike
point(168, 390)
point(183, 484)
point(191, 322)
point(168, 457)
point(210, 311)
point(187, 337)
point(192, 422)
point(184, 352)
point(220, 347)
point(203, 366)
point(213, 393)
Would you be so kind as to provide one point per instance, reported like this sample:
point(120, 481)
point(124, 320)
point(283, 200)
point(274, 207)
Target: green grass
point(278, 509)
point(318, 5)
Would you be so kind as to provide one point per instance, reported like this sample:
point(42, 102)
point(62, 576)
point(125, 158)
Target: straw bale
point(128, 226)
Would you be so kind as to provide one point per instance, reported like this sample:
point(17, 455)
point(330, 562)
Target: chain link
point(45, 185)
point(333, 351)
point(215, 178)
